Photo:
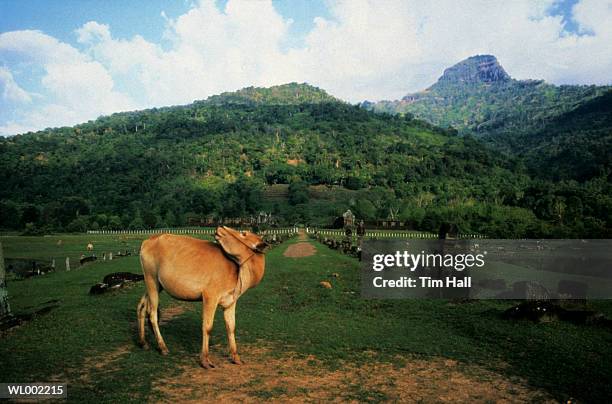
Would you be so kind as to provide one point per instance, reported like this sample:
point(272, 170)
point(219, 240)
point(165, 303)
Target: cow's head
point(240, 244)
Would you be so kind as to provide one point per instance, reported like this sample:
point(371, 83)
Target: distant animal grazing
point(90, 246)
point(114, 281)
point(119, 277)
point(546, 311)
point(84, 260)
point(325, 284)
point(192, 269)
point(98, 288)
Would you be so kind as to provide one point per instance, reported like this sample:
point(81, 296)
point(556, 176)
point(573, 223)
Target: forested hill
point(219, 157)
point(292, 93)
point(576, 145)
point(477, 96)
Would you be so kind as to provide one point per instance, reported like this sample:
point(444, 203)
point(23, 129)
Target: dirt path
point(292, 378)
point(301, 249)
point(298, 250)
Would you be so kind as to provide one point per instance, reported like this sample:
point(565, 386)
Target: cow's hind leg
point(208, 316)
point(153, 297)
point(141, 311)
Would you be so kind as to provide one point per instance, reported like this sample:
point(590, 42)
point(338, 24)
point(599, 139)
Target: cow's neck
point(250, 274)
point(255, 269)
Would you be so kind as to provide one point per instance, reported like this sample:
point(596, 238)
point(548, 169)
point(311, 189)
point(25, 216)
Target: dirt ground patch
point(292, 378)
point(302, 249)
point(91, 365)
point(102, 361)
point(168, 313)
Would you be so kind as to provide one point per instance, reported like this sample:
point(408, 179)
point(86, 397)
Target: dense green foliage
point(292, 93)
point(221, 158)
point(576, 145)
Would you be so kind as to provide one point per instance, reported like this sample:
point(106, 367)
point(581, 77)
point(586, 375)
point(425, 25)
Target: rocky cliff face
point(476, 69)
point(473, 71)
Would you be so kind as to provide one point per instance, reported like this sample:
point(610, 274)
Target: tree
point(5, 308)
point(412, 214)
point(30, 214)
point(70, 208)
point(364, 209)
point(9, 215)
point(114, 222)
point(78, 225)
point(205, 201)
point(298, 191)
point(355, 183)
point(150, 219)
point(137, 223)
point(242, 197)
point(170, 219)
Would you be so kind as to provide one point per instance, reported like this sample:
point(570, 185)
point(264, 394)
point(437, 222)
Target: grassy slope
point(288, 309)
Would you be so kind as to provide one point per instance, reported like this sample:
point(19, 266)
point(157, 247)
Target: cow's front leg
point(230, 325)
point(208, 316)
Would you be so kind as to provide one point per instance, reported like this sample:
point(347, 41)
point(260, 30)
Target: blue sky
point(129, 18)
point(64, 62)
point(60, 18)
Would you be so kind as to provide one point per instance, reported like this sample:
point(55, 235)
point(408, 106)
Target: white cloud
point(367, 49)
point(93, 31)
point(357, 54)
point(594, 16)
point(212, 51)
point(11, 92)
point(75, 88)
point(14, 128)
point(39, 47)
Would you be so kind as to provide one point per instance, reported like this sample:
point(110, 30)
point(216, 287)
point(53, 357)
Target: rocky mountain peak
point(475, 69)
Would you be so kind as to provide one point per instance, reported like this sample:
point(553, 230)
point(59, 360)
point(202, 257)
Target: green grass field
point(89, 341)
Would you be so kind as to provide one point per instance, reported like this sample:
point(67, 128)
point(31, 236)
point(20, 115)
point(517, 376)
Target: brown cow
point(191, 269)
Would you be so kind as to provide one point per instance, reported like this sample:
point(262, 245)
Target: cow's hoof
point(164, 351)
point(236, 361)
point(144, 346)
point(206, 364)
